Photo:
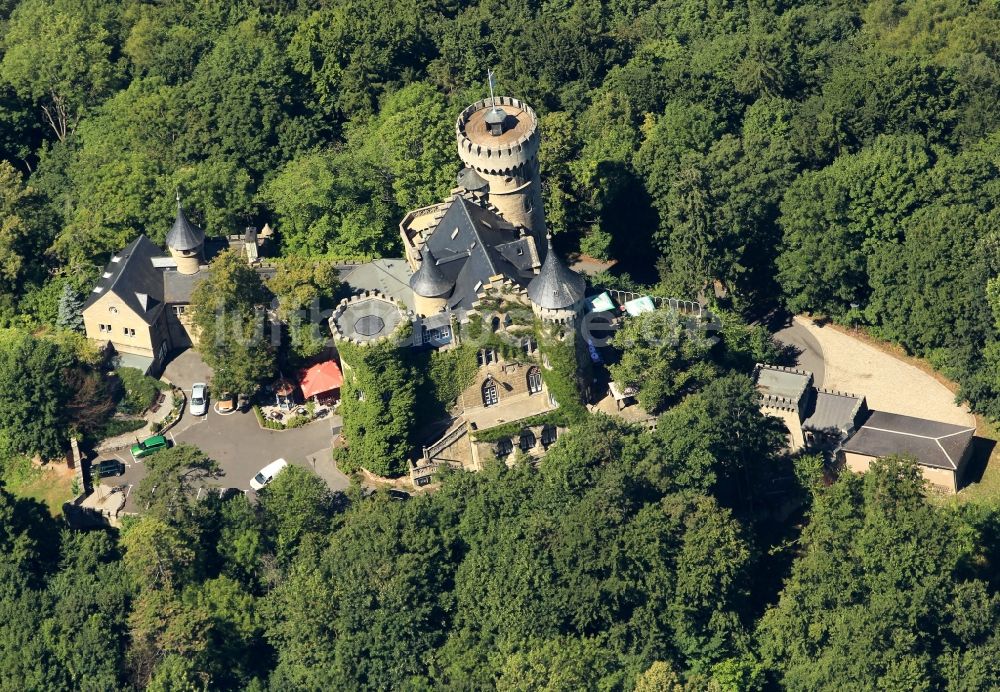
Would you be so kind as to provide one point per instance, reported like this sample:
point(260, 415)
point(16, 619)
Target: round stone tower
point(186, 243)
point(498, 139)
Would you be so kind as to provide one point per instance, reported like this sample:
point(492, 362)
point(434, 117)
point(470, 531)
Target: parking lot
point(237, 442)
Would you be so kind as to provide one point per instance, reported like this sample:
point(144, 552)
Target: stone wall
point(511, 379)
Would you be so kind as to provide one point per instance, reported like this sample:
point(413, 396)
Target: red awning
point(320, 379)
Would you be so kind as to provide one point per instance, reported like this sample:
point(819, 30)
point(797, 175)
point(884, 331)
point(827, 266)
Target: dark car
point(399, 495)
point(107, 467)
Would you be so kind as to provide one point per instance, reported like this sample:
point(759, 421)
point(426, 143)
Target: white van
point(267, 474)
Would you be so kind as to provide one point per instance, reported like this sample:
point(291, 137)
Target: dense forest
point(627, 560)
point(840, 157)
point(833, 156)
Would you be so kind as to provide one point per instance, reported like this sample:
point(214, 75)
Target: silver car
point(199, 399)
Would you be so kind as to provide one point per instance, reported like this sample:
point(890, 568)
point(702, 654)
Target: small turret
point(557, 292)
point(186, 242)
point(431, 288)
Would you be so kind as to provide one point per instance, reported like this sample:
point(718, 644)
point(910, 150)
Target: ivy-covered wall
point(379, 408)
point(442, 375)
point(564, 369)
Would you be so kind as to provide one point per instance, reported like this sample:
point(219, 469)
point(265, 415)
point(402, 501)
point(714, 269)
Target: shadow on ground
point(982, 449)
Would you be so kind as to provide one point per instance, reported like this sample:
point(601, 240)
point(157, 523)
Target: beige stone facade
point(110, 319)
point(510, 380)
point(793, 426)
point(946, 480)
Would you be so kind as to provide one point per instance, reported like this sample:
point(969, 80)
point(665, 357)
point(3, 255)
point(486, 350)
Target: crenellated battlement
point(497, 155)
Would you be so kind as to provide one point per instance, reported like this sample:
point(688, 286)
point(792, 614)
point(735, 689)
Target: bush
point(120, 426)
point(596, 243)
point(140, 390)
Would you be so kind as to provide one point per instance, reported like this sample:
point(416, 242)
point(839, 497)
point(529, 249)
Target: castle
point(479, 268)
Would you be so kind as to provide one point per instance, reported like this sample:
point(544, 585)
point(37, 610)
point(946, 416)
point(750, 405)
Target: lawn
point(51, 485)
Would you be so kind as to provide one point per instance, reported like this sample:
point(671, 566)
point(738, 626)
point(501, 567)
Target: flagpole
point(489, 80)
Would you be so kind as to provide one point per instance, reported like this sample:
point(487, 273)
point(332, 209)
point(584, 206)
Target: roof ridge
point(946, 455)
point(475, 232)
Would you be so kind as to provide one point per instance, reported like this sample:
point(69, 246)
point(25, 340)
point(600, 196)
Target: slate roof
point(472, 244)
point(469, 179)
point(939, 445)
point(184, 235)
point(429, 281)
point(834, 411)
point(177, 287)
point(134, 279)
point(782, 382)
point(388, 276)
point(557, 286)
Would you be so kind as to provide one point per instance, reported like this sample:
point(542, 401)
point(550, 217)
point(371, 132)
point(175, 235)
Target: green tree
point(169, 488)
point(60, 56)
point(156, 554)
point(70, 310)
point(296, 503)
point(228, 311)
point(33, 395)
point(304, 289)
point(26, 228)
point(663, 355)
point(378, 408)
point(877, 559)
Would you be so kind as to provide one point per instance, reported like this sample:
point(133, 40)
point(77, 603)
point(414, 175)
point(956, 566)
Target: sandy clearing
point(888, 383)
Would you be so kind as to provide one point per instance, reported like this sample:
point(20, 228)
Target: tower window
point(534, 380)
point(491, 395)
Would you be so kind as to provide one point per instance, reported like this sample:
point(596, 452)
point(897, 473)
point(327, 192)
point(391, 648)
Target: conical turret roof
point(556, 287)
point(429, 281)
point(184, 235)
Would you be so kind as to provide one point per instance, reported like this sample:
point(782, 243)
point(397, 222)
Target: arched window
point(548, 435)
point(527, 440)
point(504, 447)
point(534, 380)
point(491, 395)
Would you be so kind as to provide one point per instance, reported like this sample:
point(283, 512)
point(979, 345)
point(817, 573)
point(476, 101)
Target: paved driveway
point(810, 357)
point(237, 442)
point(186, 368)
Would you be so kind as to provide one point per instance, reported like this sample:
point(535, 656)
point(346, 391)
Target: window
point(549, 435)
point(112, 309)
point(534, 380)
point(491, 395)
point(527, 440)
point(504, 447)
point(179, 310)
point(442, 334)
point(128, 331)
